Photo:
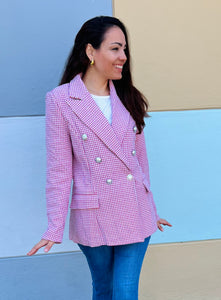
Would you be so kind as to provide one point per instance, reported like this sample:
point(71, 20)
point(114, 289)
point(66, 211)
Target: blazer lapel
point(120, 115)
point(87, 110)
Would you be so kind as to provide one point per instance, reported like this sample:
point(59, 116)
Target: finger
point(33, 251)
point(40, 244)
point(48, 246)
point(160, 227)
point(165, 223)
point(168, 224)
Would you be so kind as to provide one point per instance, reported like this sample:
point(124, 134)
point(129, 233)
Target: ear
point(90, 51)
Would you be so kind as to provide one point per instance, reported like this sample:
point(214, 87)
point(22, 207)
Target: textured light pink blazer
point(111, 201)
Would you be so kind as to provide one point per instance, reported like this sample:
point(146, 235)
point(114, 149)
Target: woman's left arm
point(163, 222)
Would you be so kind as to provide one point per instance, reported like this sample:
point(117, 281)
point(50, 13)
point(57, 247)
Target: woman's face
point(110, 57)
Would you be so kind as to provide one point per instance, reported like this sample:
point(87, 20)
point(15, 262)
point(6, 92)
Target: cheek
point(105, 63)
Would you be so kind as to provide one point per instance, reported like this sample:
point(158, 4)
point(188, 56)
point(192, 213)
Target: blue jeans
point(115, 270)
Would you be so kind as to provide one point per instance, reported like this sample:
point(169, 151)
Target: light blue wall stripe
point(22, 173)
point(36, 37)
point(184, 154)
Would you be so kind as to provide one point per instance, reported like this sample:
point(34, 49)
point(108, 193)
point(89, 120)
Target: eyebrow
point(118, 44)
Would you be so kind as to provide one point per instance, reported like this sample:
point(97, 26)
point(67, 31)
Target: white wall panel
point(22, 173)
point(184, 155)
point(185, 163)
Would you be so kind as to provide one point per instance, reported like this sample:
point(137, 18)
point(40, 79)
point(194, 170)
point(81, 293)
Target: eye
point(115, 49)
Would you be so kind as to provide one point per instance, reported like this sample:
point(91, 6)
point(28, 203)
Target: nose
point(123, 55)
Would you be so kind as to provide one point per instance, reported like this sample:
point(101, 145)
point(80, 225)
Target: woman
point(94, 136)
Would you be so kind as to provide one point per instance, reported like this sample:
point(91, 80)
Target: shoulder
point(64, 91)
point(58, 96)
point(59, 92)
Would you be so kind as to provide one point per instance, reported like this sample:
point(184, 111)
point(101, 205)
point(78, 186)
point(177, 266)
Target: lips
point(119, 67)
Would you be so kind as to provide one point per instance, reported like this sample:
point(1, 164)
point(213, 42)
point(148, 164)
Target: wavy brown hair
point(93, 32)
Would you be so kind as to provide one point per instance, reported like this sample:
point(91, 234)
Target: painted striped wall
point(183, 151)
point(184, 154)
point(176, 51)
point(177, 64)
point(36, 41)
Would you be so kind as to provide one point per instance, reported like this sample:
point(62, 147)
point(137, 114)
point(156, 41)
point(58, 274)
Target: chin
point(117, 77)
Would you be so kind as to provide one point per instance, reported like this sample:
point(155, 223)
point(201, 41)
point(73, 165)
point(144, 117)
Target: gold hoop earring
point(92, 62)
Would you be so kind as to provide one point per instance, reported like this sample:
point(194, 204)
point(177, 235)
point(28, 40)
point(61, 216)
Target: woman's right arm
point(42, 243)
point(59, 174)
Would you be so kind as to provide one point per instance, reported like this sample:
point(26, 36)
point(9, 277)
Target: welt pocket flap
point(84, 201)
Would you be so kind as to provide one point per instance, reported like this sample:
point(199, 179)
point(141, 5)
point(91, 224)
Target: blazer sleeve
point(59, 169)
point(143, 160)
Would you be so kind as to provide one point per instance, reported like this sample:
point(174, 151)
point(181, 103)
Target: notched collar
point(87, 110)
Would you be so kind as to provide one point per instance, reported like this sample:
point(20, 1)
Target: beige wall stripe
point(176, 51)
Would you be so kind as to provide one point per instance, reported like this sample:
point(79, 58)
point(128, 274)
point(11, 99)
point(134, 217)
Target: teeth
point(119, 67)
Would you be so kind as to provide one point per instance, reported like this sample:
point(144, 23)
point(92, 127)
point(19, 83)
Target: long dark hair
point(93, 32)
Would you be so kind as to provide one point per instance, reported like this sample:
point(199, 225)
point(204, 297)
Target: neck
point(95, 85)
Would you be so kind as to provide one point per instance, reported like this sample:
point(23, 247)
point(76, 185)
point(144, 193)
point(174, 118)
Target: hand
point(163, 222)
point(41, 244)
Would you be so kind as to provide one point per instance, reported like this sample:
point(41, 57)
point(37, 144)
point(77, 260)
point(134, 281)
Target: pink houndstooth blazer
point(111, 201)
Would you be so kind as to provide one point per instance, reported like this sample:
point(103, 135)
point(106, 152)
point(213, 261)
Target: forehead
point(114, 34)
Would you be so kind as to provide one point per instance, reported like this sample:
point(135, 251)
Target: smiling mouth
point(119, 67)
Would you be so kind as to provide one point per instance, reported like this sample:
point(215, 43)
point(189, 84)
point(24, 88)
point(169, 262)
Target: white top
point(104, 103)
